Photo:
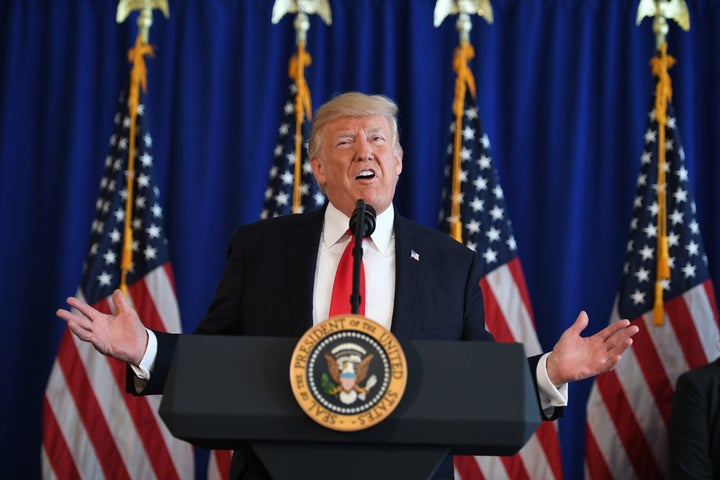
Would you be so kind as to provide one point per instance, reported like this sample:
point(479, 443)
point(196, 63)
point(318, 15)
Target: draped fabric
point(563, 88)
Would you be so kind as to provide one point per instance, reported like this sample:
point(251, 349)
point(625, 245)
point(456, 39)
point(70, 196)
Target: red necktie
point(342, 288)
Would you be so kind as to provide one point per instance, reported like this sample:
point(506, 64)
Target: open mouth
point(365, 175)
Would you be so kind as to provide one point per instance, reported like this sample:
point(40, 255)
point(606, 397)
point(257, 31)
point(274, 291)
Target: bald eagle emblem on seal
point(348, 366)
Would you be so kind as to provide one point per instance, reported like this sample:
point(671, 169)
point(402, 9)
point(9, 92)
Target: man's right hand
point(121, 336)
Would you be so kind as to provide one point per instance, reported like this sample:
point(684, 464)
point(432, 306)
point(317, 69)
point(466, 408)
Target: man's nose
point(364, 150)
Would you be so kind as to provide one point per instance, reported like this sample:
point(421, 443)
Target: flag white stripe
point(162, 295)
point(180, 451)
point(47, 472)
point(115, 412)
point(665, 344)
point(603, 430)
point(67, 417)
point(535, 460)
point(114, 409)
point(511, 304)
point(639, 395)
point(213, 468)
point(492, 468)
point(518, 321)
point(701, 312)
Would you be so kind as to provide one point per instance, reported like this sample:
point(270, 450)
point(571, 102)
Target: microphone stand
point(357, 252)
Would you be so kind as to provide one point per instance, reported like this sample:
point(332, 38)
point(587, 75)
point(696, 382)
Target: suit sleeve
point(688, 435)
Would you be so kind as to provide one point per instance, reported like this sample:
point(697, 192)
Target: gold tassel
point(138, 79)
point(303, 108)
point(464, 80)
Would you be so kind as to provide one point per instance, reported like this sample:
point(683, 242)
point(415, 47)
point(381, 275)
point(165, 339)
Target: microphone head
point(367, 212)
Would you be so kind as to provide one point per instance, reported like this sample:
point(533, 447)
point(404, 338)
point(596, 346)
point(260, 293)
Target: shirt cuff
point(551, 396)
point(147, 363)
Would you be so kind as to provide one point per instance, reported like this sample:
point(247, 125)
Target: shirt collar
point(336, 224)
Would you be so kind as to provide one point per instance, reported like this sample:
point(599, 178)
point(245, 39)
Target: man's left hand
point(575, 357)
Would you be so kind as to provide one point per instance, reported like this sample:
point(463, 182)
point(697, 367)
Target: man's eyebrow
point(345, 134)
point(376, 129)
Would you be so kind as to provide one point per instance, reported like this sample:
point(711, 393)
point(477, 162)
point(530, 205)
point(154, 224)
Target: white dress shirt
point(378, 260)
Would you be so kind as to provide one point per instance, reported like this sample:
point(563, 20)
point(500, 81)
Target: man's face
point(357, 160)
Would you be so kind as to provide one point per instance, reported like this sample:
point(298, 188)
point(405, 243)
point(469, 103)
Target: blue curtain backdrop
point(564, 88)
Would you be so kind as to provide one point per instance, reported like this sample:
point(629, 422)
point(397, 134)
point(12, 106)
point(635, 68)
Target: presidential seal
point(348, 373)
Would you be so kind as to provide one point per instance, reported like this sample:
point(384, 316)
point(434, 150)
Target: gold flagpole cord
point(663, 93)
point(463, 81)
point(303, 108)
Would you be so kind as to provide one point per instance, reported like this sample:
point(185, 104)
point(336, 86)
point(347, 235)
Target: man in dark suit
point(278, 279)
point(694, 428)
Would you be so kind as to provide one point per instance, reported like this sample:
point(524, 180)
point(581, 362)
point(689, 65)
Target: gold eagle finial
point(127, 6)
point(145, 7)
point(676, 10)
point(308, 7)
point(660, 11)
point(443, 8)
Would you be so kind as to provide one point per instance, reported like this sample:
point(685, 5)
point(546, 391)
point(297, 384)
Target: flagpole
point(138, 79)
point(464, 80)
point(660, 64)
point(297, 64)
point(303, 106)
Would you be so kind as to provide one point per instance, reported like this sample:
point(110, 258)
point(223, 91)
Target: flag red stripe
point(222, 459)
point(153, 439)
point(548, 437)
point(546, 433)
point(144, 305)
point(56, 448)
point(629, 431)
point(498, 325)
point(686, 333)
point(652, 368)
point(495, 322)
point(710, 292)
point(515, 467)
point(594, 458)
point(91, 414)
point(142, 416)
point(467, 468)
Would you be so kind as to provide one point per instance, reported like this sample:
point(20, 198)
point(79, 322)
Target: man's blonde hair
point(353, 104)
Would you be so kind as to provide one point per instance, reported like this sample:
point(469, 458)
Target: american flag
point(629, 407)
point(486, 228)
point(279, 192)
point(91, 428)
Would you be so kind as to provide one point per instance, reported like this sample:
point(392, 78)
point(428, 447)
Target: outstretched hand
point(575, 357)
point(121, 336)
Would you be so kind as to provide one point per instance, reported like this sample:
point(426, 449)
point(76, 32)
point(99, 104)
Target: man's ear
point(318, 171)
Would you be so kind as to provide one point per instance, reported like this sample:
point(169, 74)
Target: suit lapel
point(301, 256)
point(409, 274)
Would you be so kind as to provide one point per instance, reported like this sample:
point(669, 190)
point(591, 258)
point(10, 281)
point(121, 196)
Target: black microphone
point(362, 225)
point(363, 213)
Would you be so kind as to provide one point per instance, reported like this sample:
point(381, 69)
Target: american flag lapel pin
point(414, 255)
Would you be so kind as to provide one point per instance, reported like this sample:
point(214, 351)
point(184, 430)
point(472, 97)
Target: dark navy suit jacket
point(694, 427)
point(267, 290)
